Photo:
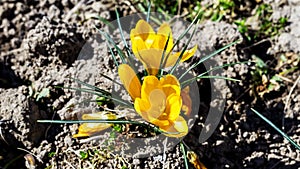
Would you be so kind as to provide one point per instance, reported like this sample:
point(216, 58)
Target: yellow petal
point(130, 80)
point(170, 85)
point(171, 60)
point(88, 129)
point(143, 31)
point(138, 45)
point(151, 59)
point(170, 79)
point(178, 129)
point(187, 54)
point(161, 38)
point(173, 107)
point(157, 99)
point(99, 115)
point(162, 124)
point(150, 83)
point(141, 106)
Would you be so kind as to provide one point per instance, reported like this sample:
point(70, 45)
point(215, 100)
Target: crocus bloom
point(159, 101)
point(148, 46)
point(88, 129)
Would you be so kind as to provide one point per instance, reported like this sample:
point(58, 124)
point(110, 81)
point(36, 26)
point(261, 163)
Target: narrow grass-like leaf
point(104, 121)
point(148, 11)
point(185, 83)
point(110, 40)
point(122, 34)
point(91, 86)
point(120, 52)
point(84, 90)
point(160, 72)
point(276, 128)
point(98, 94)
point(92, 121)
point(115, 82)
point(184, 156)
point(105, 21)
point(182, 52)
point(156, 129)
point(181, 36)
point(207, 57)
point(113, 55)
point(220, 67)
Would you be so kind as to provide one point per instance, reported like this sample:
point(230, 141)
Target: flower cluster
point(158, 99)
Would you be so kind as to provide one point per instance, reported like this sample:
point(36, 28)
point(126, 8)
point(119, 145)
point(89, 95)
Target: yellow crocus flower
point(88, 129)
point(148, 46)
point(159, 101)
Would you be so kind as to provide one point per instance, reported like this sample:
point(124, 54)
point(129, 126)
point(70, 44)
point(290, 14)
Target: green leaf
point(148, 11)
point(162, 62)
point(276, 128)
point(207, 57)
point(83, 155)
point(184, 155)
point(102, 101)
point(122, 34)
point(51, 154)
point(219, 67)
point(185, 83)
point(110, 41)
point(182, 52)
point(105, 21)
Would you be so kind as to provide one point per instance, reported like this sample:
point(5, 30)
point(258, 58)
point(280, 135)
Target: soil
point(40, 44)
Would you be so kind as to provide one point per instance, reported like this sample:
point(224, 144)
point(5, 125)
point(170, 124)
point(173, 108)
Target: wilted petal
point(130, 80)
point(186, 101)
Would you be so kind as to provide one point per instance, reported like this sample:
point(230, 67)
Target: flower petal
point(161, 38)
point(170, 85)
point(151, 59)
point(173, 107)
point(150, 83)
point(88, 129)
point(141, 106)
point(130, 80)
point(157, 100)
point(178, 129)
point(142, 31)
point(187, 54)
point(162, 124)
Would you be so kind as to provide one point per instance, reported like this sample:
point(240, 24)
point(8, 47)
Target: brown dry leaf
point(193, 158)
